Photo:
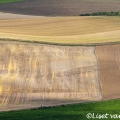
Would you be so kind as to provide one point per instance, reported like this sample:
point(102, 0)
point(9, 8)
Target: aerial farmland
point(51, 56)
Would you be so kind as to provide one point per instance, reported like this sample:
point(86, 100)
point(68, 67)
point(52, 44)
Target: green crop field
point(69, 112)
point(7, 1)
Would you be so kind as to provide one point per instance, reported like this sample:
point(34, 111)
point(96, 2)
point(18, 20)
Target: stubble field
point(62, 29)
point(33, 75)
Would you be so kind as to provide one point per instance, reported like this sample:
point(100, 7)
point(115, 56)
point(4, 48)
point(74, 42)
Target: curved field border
point(60, 44)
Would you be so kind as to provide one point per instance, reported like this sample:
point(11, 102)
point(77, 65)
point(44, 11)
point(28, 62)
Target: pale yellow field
point(63, 29)
point(34, 75)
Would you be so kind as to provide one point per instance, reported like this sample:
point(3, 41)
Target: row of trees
point(102, 14)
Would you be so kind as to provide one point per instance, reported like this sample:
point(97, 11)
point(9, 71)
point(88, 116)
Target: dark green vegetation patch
point(102, 14)
point(68, 112)
point(8, 1)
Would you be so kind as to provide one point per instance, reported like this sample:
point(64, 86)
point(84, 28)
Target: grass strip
point(65, 112)
point(60, 44)
point(9, 1)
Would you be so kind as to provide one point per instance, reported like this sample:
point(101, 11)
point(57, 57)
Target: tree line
point(101, 14)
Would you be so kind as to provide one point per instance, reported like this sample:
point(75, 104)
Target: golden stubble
point(62, 29)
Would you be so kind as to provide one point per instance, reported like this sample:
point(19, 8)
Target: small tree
point(118, 13)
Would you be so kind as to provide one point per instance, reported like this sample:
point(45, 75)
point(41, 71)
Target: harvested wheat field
point(109, 67)
point(60, 7)
point(62, 29)
point(33, 75)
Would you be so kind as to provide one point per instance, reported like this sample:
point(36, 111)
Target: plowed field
point(109, 66)
point(60, 7)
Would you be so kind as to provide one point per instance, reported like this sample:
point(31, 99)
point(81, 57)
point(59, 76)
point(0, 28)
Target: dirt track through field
point(60, 7)
point(6, 16)
point(109, 66)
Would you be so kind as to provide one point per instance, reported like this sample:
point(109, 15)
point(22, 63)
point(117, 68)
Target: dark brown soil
point(109, 65)
point(60, 7)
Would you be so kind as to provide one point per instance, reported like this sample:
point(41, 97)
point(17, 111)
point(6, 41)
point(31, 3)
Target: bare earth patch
point(6, 16)
point(109, 66)
point(60, 7)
